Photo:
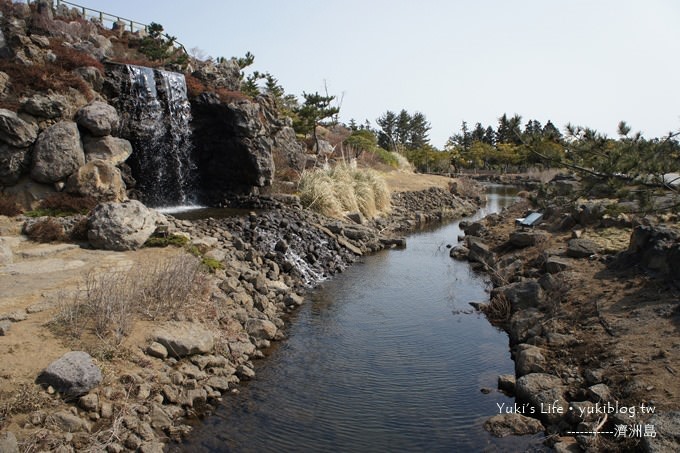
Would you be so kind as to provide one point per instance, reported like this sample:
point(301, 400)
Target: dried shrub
point(111, 301)
point(47, 230)
point(499, 310)
point(228, 96)
point(9, 206)
point(69, 58)
point(25, 80)
point(65, 202)
point(194, 86)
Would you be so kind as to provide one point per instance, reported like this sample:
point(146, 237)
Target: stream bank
point(181, 365)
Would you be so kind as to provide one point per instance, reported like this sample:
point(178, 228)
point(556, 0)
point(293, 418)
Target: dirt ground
point(626, 320)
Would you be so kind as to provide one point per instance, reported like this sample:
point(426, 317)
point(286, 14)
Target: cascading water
point(156, 121)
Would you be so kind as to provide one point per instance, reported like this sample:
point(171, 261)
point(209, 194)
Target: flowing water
point(156, 121)
point(388, 356)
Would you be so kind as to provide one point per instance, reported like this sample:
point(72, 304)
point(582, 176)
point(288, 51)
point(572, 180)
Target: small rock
point(245, 373)
point(600, 393)
point(529, 359)
point(4, 327)
point(159, 418)
point(74, 374)
point(555, 264)
point(69, 422)
point(157, 350)
point(502, 425)
point(89, 402)
point(15, 316)
point(261, 329)
point(581, 248)
point(506, 383)
point(184, 339)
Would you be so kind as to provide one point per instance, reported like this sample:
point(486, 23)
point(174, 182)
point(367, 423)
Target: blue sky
point(587, 62)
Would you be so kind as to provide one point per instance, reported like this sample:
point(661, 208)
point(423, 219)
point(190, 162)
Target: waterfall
point(156, 120)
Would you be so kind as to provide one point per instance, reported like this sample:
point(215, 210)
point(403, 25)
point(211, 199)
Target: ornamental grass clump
point(338, 191)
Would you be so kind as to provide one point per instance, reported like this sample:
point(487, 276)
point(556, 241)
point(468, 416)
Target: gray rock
point(459, 252)
point(506, 383)
point(99, 179)
point(16, 132)
point(479, 251)
point(14, 316)
point(159, 418)
point(14, 162)
point(98, 118)
point(183, 339)
point(111, 149)
point(543, 392)
point(8, 442)
point(582, 248)
point(522, 295)
point(5, 326)
point(68, 422)
point(245, 373)
point(502, 425)
point(157, 350)
point(57, 153)
point(667, 428)
point(74, 374)
point(600, 393)
point(220, 383)
point(555, 264)
point(529, 359)
point(46, 106)
point(521, 239)
point(241, 348)
point(89, 402)
point(122, 226)
point(92, 76)
point(261, 329)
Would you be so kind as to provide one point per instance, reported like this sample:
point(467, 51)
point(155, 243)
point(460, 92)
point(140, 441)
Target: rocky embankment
point(589, 300)
point(144, 393)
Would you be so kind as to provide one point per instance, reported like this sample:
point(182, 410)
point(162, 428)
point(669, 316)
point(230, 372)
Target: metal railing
point(104, 18)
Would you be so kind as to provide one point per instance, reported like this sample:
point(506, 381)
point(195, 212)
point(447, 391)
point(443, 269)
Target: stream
point(388, 356)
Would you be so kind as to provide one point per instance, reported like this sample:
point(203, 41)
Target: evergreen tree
point(312, 112)
point(418, 130)
point(388, 126)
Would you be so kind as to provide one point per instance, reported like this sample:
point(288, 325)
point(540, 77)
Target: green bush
point(163, 241)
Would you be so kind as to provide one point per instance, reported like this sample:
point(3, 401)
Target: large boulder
point(13, 163)
point(122, 226)
point(111, 149)
point(57, 153)
point(98, 118)
point(46, 106)
point(99, 179)
point(16, 132)
point(183, 339)
point(28, 193)
point(74, 374)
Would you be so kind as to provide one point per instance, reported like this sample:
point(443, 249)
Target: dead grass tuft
point(46, 230)
point(340, 190)
point(9, 206)
point(110, 302)
point(499, 310)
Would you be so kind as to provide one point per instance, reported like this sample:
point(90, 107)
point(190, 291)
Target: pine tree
point(311, 114)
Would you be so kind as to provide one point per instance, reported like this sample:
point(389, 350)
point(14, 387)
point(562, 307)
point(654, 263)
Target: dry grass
point(9, 206)
point(110, 302)
point(499, 310)
point(342, 189)
point(47, 230)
